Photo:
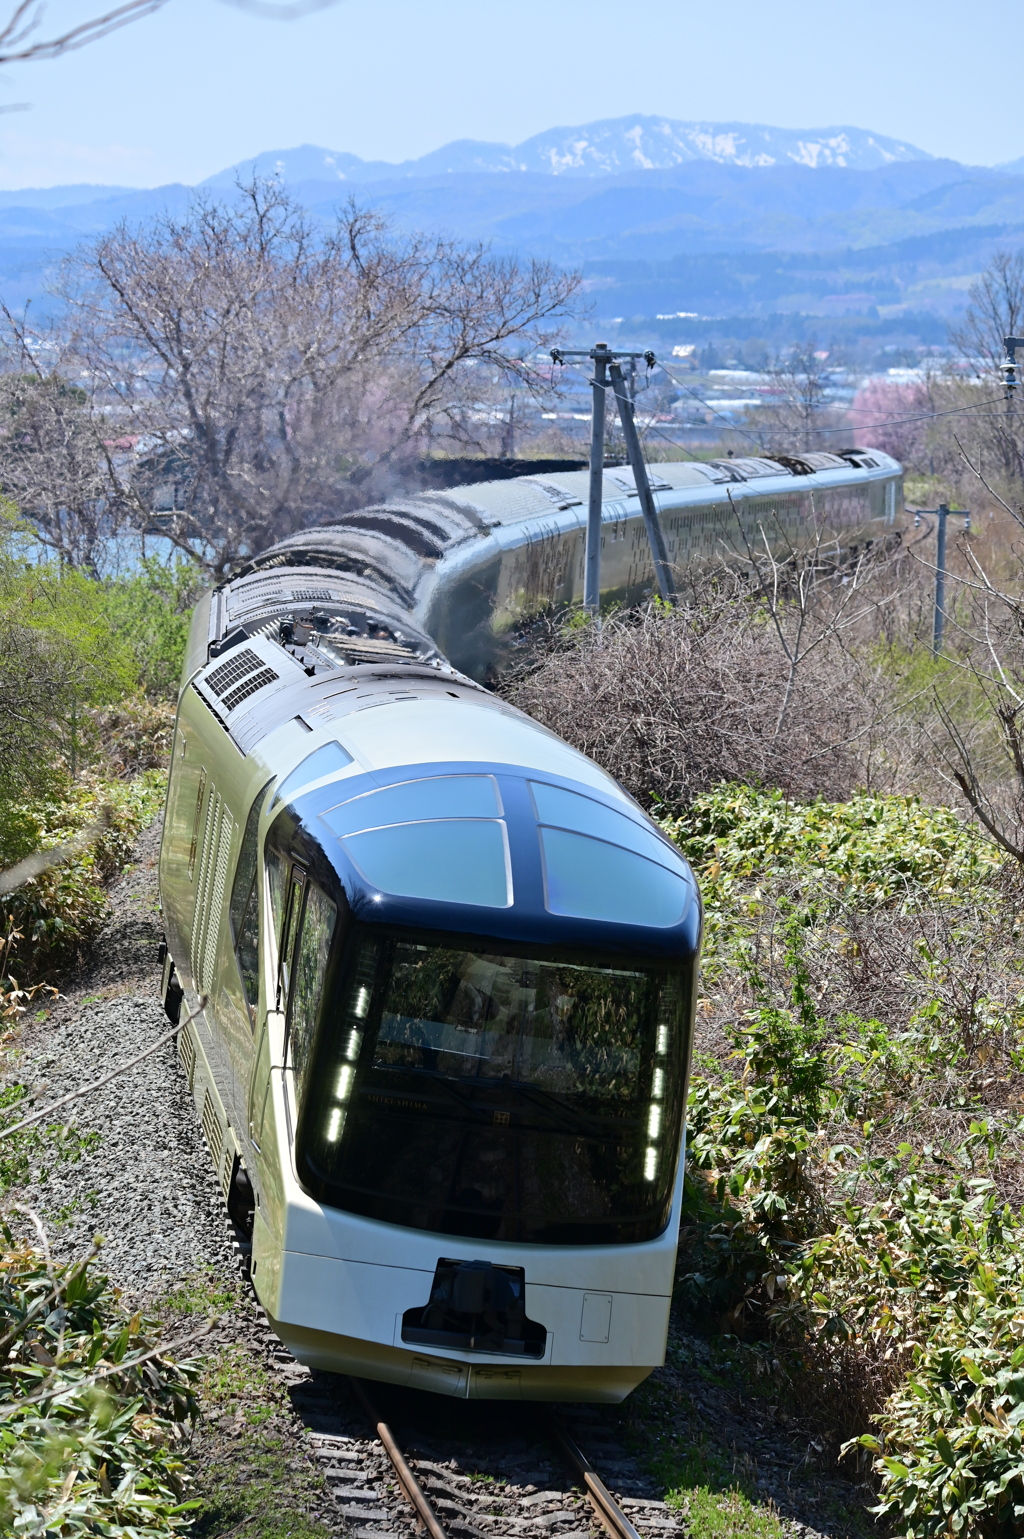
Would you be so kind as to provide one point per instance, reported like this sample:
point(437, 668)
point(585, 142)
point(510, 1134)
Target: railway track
point(399, 1462)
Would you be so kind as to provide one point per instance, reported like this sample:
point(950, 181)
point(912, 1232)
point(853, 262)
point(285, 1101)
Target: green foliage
point(58, 659)
point(879, 848)
point(49, 920)
point(877, 1257)
point(712, 1500)
point(149, 612)
point(90, 1435)
point(935, 1281)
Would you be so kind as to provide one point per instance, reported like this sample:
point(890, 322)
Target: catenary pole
point(940, 514)
point(605, 359)
point(656, 539)
point(592, 560)
point(940, 580)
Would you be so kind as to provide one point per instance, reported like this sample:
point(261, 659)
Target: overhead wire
point(956, 411)
point(609, 389)
point(842, 428)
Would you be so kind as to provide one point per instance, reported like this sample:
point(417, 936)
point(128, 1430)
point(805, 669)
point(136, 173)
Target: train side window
point(296, 887)
point(244, 907)
point(277, 876)
point(310, 966)
point(245, 871)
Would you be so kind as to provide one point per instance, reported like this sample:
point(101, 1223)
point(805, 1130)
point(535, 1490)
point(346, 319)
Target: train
point(436, 970)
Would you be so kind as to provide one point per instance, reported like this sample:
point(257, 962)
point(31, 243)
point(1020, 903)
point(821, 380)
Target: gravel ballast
point(145, 1184)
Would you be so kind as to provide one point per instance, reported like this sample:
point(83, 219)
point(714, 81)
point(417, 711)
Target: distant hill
point(605, 148)
point(662, 215)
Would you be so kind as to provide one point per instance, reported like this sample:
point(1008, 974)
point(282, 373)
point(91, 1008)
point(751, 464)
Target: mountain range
point(605, 148)
point(662, 215)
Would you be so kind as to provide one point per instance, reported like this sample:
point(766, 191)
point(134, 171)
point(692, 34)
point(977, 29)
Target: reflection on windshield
point(499, 1096)
point(561, 1028)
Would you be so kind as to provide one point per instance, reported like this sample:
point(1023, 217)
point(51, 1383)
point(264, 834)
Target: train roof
point(390, 543)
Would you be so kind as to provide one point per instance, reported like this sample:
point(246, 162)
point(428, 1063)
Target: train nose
point(476, 1306)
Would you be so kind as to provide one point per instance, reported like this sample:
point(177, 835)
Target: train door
point(286, 882)
point(240, 978)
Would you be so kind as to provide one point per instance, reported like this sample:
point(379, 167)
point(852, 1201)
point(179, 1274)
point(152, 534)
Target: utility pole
point(655, 536)
point(592, 560)
point(941, 513)
point(607, 370)
point(508, 443)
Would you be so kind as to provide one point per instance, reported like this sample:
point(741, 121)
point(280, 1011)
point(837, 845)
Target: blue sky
point(203, 84)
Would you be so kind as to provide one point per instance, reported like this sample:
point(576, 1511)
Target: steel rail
point(411, 1487)
point(602, 1500)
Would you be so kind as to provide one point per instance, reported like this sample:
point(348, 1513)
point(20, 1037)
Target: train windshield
point(502, 1097)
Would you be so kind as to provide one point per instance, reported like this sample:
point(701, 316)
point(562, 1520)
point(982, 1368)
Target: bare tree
point(800, 404)
point(674, 701)
point(811, 584)
point(269, 373)
point(54, 452)
point(23, 37)
point(995, 311)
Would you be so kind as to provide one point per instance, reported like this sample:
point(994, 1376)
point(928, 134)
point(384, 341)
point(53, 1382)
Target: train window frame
point(312, 893)
point(243, 906)
point(290, 931)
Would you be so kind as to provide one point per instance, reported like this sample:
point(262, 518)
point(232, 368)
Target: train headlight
point(654, 1113)
point(335, 1124)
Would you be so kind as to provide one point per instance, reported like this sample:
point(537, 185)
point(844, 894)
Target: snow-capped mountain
point(641, 143)
point(606, 148)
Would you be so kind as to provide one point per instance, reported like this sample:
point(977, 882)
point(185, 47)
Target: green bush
point(58, 658)
point(55, 915)
point(847, 1183)
point(91, 1437)
point(149, 612)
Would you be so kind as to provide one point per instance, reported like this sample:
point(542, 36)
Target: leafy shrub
point(92, 1414)
point(878, 847)
point(149, 611)
point(59, 912)
point(849, 1174)
point(58, 657)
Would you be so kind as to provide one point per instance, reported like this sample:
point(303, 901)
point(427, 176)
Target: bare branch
point(19, 44)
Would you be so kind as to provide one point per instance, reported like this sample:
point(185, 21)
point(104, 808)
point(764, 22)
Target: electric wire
point(956, 411)
point(842, 428)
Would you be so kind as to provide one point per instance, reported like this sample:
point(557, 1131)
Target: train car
point(440, 968)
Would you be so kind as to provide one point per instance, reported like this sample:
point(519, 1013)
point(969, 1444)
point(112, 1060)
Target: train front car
point(485, 992)
point(451, 973)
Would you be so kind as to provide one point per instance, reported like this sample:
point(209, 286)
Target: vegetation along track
point(280, 1451)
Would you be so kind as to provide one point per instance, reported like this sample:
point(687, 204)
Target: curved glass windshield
point(503, 1097)
point(464, 861)
point(590, 879)
point(414, 801)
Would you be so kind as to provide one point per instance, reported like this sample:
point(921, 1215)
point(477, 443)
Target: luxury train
point(449, 966)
